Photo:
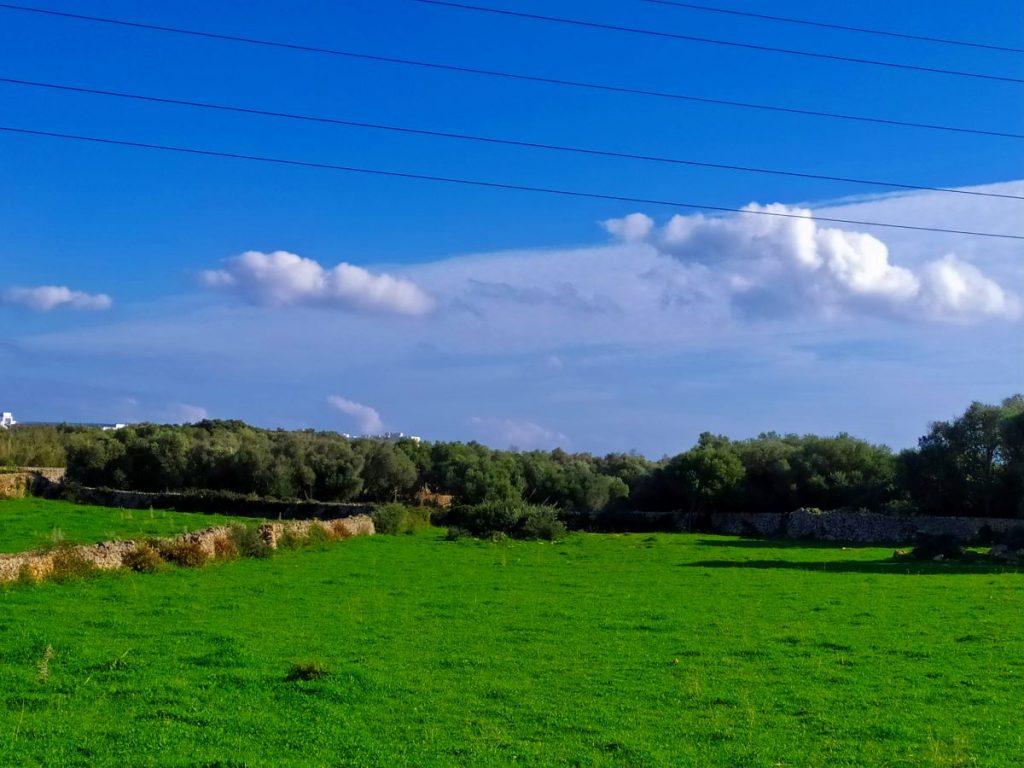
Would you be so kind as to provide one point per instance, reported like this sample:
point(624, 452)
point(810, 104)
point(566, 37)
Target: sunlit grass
point(34, 523)
point(664, 650)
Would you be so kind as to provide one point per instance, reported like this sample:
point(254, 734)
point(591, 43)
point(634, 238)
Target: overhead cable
point(495, 140)
point(496, 185)
point(829, 25)
point(720, 42)
point(607, 88)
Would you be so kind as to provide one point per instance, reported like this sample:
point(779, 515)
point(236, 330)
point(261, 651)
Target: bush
point(225, 548)
point(185, 553)
point(248, 542)
point(514, 519)
point(541, 523)
point(143, 559)
point(396, 519)
point(931, 546)
point(70, 564)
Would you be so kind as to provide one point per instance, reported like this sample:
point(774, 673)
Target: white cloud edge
point(45, 298)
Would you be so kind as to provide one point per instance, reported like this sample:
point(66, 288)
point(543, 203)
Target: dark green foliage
point(930, 546)
point(143, 559)
point(249, 542)
point(399, 518)
point(511, 518)
point(973, 465)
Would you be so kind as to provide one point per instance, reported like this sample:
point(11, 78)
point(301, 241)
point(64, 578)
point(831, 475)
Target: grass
point(32, 523)
point(663, 650)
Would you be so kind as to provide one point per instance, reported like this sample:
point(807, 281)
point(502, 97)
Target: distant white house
point(7, 420)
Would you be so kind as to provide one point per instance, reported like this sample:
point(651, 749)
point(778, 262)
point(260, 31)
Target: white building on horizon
point(7, 419)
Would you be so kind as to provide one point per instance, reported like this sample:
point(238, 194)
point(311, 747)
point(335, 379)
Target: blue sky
point(511, 318)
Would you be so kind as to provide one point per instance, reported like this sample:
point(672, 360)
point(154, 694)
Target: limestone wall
point(217, 502)
point(854, 527)
point(29, 481)
point(109, 555)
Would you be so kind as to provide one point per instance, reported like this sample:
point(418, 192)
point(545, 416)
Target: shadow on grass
point(898, 567)
point(790, 544)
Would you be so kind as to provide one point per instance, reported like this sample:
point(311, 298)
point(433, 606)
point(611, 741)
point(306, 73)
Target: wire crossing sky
point(825, 25)
point(508, 142)
point(476, 226)
point(636, 91)
point(500, 185)
point(713, 41)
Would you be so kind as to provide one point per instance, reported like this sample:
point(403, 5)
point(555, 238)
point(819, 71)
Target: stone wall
point(849, 526)
point(30, 481)
point(110, 555)
point(216, 502)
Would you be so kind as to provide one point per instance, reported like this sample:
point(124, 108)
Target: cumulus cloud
point(281, 279)
point(44, 298)
point(367, 418)
point(517, 433)
point(774, 266)
point(631, 228)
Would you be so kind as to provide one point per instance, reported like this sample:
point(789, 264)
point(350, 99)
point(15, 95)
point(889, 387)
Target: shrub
point(541, 523)
point(143, 559)
point(340, 529)
point(931, 546)
point(396, 519)
point(248, 542)
point(70, 564)
point(514, 519)
point(225, 548)
point(306, 670)
point(183, 552)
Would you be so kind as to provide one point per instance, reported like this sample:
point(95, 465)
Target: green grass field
point(31, 523)
point(666, 650)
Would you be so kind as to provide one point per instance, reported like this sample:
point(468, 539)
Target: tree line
point(972, 465)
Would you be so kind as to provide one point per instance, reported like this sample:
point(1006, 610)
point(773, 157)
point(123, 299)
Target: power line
point(494, 140)
point(514, 75)
point(491, 184)
point(717, 41)
point(827, 25)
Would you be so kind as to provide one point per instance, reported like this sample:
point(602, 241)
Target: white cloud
point(517, 433)
point(43, 298)
point(367, 418)
point(183, 413)
point(956, 289)
point(281, 279)
point(776, 266)
point(631, 228)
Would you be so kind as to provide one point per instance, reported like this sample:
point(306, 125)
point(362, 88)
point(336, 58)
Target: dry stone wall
point(849, 526)
point(110, 555)
point(216, 502)
point(30, 481)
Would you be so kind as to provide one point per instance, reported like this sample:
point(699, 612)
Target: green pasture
point(33, 523)
point(599, 650)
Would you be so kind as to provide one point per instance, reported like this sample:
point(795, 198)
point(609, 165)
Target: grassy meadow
point(32, 523)
point(598, 650)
